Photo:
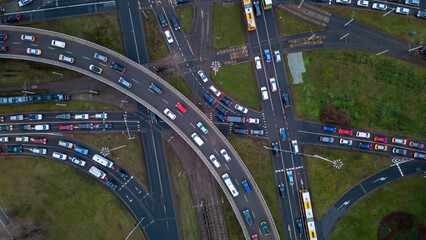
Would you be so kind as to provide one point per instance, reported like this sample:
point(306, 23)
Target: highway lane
point(214, 140)
point(350, 198)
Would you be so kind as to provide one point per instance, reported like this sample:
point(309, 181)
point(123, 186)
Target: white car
point(215, 91)
point(253, 120)
point(27, 38)
point(22, 3)
point(363, 134)
point(168, 36)
point(60, 156)
point(214, 160)
point(403, 11)
point(343, 1)
point(42, 127)
point(273, 83)
point(258, 63)
point(4, 139)
point(225, 155)
point(18, 117)
point(241, 108)
point(277, 56)
point(169, 114)
point(39, 150)
point(78, 161)
point(202, 76)
point(34, 51)
point(22, 139)
point(66, 59)
point(58, 44)
point(84, 116)
point(264, 93)
point(379, 6)
point(295, 146)
point(362, 3)
point(345, 141)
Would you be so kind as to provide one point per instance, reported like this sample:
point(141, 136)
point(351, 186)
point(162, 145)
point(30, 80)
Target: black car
point(118, 67)
point(299, 225)
point(241, 131)
point(13, 149)
point(25, 127)
point(110, 183)
point(156, 89)
point(3, 48)
point(286, 100)
point(162, 20)
point(105, 126)
point(12, 18)
point(275, 149)
point(122, 174)
point(226, 101)
point(222, 109)
point(181, 1)
point(86, 126)
point(175, 23)
point(6, 128)
point(281, 190)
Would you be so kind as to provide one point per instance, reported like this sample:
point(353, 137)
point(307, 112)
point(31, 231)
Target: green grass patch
point(394, 24)
point(102, 29)
point(362, 221)
point(229, 27)
point(19, 72)
point(239, 82)
point(184, 14)
point(288, 24)
point(180, 85)
point(185, 211)
point(380, 92)
point(259, 163)
point(327, 183)
point(71, 106)
point(61, 200)
point(131, 156)
point(156, 44)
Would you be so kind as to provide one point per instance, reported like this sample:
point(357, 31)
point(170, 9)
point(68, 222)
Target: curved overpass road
point(184, 124)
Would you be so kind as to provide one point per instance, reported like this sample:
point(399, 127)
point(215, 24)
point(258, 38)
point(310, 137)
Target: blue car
point(282, 134)
point(221, 117)
point(222, 109)
point(329, 129)
point(268, 55)
point(365, 146)
point(246, 186)
point(81, 150)
point(290, 177)
point(209, 99)
point(248, 217)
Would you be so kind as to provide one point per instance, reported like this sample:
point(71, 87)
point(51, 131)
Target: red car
point(380, 139)
point(345, 131)
point(254, 237)
point(40, 140)
point(181, 107)
point(69, 127)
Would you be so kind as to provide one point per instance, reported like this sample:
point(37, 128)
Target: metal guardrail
point(187, 102)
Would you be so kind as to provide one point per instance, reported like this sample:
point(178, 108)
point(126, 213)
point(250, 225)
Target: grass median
point(380, 92)
point(46, 199)
point(259, 163)
point(239, 82)
point(394, 24)
point(185, 211)
point(327, 183)
point(288, 24)
point(185, 13)
point(180, 85)
point(229, 27)
point(103, 29)
point(363, 219)
point(131, 156)
point(157, 48)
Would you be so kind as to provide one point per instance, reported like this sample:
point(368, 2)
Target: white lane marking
point(134, 80)
point(164, 101)
point(86, 58)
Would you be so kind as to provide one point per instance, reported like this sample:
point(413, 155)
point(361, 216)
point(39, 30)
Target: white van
point(295, 146)
point(60, 156)
point(197, 139)
point(101, 115)
point(97, 172)
point(66, 144)
point(40, 150)
point(264, 93)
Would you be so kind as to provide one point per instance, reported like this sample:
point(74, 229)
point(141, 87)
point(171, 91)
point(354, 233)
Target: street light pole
point(135, 227)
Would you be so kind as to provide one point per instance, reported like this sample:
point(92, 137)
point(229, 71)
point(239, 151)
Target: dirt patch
point(400, 225)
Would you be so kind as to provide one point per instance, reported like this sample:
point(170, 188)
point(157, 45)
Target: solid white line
point(134, 36)
point(55, 8)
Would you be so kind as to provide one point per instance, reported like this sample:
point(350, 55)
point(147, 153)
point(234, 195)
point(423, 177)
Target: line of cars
point(369, 146)
point(163, 23)
point(383, 7)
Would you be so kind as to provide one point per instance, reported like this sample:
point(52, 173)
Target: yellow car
point(380, 147)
